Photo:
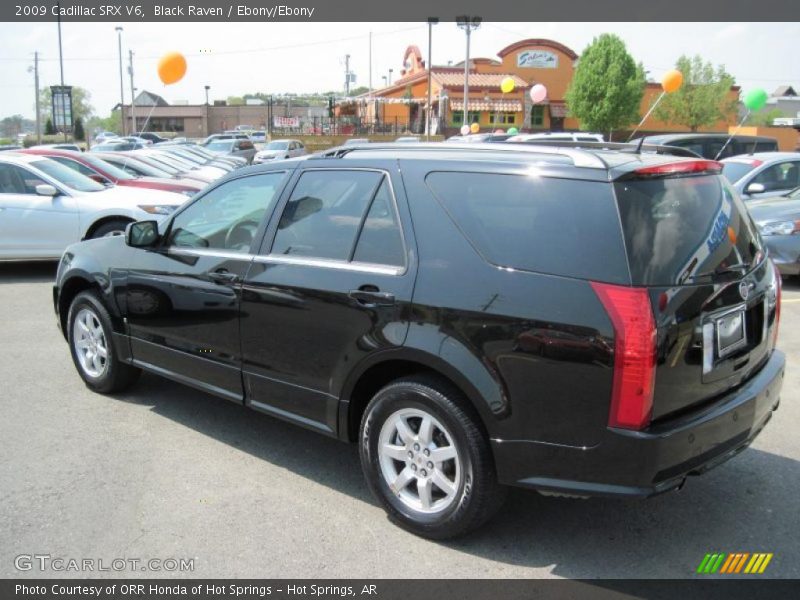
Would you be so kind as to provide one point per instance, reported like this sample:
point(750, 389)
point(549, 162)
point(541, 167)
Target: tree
point(81, 105)
point(359, 90)
point(78, 132)
point(703, 100)
point(607, 87)
point(48, 127)
point(14, 125)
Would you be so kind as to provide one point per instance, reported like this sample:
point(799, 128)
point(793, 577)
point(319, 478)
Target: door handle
point(368, 297)
point(223, 276)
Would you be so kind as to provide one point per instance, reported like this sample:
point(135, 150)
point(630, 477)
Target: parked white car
point(46, 206)
point(278, 149)
point(563, 136)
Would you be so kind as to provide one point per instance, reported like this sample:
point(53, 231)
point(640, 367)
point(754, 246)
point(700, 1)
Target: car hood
point(777, 209)
point(132, 196)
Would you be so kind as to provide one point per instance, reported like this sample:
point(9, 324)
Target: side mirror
point(45, 189)
point(141, 234)
point(755, 188)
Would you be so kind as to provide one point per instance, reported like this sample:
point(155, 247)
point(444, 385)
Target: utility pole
point(36, 87)
point(346, 74)
point(431, 22)
point(467, 24)
point(61, 67)
point(121, 79)
point(390, 76)
point(370, 64)
point(133, 93)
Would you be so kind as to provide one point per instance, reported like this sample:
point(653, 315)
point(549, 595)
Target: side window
point(227, 217)
point(324, 213)
point(781, 176)
point(380, 241)
point(12, 180)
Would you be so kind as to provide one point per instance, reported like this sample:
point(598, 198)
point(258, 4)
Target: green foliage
point(30, 140)
point(110, 123)
point(12, 126)
point(704, 98)
point(607, 88)
point(764, 118)
point(48, 127)
point(78, 134)
point(359, 90)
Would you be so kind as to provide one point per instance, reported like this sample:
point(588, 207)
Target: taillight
point(681, 167)
point(634, 354)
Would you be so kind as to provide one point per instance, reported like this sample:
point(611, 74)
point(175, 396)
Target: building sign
point(62, 107)
point(537, 59)
point(286, 122)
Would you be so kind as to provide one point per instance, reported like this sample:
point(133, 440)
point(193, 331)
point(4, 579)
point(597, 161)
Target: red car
point(106, 173)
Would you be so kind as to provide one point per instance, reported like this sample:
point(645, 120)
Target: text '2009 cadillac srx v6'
point(575, 321)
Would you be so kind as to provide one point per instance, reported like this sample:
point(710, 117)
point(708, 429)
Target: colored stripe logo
point(734, 563)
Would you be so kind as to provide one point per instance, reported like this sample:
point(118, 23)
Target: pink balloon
point(499, 131)
point(465, 130)
point(538, 93)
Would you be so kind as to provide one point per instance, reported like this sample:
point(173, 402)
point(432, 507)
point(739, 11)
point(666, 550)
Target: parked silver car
point(763, 174)
point(278, 149)
point(243, 148)
point(778, 221)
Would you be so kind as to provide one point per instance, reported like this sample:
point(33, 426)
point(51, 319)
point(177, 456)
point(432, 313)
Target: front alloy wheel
point(90, 343)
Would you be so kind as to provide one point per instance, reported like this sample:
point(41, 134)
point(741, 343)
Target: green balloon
point(755, 99)
point(513, 131)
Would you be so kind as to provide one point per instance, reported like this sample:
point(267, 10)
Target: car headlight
point(780, 228)
point(158, 209)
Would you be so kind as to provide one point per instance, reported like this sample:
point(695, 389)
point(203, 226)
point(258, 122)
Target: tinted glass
point(277, 145)
point(380, 241)
point(13, 180)
point(324, 213)
point(780, 176)
point(67, 176)
point(679, 228)
point(547, 225)
point(734, 171)
point(106, 167)
point(228, 216)
point(74, 165)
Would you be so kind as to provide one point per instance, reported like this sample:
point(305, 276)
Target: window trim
point(266, 255)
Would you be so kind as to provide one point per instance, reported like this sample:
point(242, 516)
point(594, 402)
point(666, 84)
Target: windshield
point(66, 176)
point(159, 164)
point(137, 166)
point(186, 156)
point(220, 146)
point(735, 170)
point(177, 161)
point(678, 229)
point(106, 166)
point(277, 146)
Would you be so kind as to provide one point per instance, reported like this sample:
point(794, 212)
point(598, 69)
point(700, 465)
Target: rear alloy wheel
point(92, 347)
point(426, 460)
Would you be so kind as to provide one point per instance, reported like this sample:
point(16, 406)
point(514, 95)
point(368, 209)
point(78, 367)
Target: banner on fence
point(286, 121)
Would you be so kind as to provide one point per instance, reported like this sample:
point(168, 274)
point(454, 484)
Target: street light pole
point(133, 93)
point(61, 67)
point(467, 24)
point(35, 70)
point(121, 78)
point(431, 22)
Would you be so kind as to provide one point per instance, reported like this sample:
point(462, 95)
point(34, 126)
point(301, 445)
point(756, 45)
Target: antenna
point(639, 145)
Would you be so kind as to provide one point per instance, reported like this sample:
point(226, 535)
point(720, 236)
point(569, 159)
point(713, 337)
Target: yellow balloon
point(474, 128)
point(507, 85)
point(672, 81)
point(172, 67)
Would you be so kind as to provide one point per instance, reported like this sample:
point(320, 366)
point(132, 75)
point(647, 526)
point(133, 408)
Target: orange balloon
point(672, 81)
point(172, 67)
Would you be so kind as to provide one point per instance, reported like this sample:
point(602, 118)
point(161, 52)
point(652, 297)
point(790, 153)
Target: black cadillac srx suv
point(578, 322)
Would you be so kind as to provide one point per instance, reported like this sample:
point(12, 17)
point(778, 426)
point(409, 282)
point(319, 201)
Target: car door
point(332, 284)
point(776, 179)
point(183, 297)
point(32, 225)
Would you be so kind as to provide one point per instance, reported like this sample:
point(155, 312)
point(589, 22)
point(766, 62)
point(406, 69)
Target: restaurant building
point(527, 62)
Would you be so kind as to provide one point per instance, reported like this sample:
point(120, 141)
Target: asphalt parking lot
point(168, 472)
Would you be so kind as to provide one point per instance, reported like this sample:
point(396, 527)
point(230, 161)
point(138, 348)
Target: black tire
point(118, 225)
point(478, 494)
point(115, 375)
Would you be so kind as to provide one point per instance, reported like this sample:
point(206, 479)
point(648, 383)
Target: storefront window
point(537, 116)
point(458, 117)
point(502, 118)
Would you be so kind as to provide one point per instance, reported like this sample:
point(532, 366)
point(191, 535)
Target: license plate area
point(730, 332)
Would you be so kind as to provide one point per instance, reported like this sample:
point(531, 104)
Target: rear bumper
point(645, 463)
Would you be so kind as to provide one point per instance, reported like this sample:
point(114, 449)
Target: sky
point(236, 58)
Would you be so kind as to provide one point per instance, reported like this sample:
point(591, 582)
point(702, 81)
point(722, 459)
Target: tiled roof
point(492, 105)
point(486, 80)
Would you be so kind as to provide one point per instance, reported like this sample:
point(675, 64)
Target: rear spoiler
point(618, 146)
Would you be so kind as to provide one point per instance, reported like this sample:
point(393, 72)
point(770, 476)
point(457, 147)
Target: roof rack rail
point(630, 147)
point(579, 157)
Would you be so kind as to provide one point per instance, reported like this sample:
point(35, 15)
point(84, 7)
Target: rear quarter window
point(540, 224)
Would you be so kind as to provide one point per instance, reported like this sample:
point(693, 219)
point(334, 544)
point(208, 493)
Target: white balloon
point(538, 93)
point(465, 130)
